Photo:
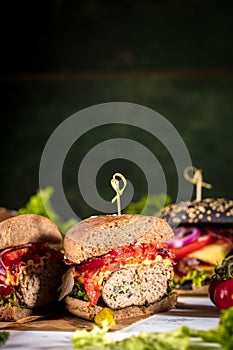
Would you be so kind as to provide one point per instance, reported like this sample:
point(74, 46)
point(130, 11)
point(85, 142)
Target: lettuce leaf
point(96, 339)
point(41, 200)
point(182, 338)
point(3, 337)
point(155, 203)
point(78, 291)
point(193, 279)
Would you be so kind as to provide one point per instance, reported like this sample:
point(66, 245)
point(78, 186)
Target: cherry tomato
point(212, 287)
point(201, 242)
point(223, 294)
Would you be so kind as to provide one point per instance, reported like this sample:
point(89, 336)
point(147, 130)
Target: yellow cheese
point(212, 254)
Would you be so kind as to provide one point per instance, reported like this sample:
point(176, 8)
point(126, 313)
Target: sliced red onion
point(184, 236)
point(2, 268)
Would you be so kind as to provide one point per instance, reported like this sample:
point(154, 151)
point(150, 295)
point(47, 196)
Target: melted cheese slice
point(212, 254)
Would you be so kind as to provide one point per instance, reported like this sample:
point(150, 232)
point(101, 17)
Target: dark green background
point(59, 57)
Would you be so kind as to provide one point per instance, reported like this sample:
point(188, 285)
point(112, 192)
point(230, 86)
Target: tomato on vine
point(221, 285)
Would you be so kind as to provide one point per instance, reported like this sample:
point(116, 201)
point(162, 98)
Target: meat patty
point(137, 285)
point(38, 284)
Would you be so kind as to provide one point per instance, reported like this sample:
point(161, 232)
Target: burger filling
point(14, 260)
point(197, 251)
point(91, 275)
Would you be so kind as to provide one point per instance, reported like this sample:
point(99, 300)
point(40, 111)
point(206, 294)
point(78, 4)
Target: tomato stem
point(229, 270)
point(224, 271)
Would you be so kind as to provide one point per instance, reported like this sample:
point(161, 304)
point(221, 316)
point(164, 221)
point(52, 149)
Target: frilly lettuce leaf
point(3, 337)
point(154, 203)
point(37, 205)
point(182, 338)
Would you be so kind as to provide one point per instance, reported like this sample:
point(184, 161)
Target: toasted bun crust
point(83, 309)
point(96, 236)
point(7, 213)
point(207, 211)
point(29, 228)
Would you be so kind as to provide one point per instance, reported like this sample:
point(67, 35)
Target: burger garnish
point(119, 262)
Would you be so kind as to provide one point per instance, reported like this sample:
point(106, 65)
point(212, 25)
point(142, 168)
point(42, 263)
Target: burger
point(31, 265)
point(118, 262)
point(203, 237)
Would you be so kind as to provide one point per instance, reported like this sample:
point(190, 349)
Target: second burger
point(203, 237)
point(120, 262)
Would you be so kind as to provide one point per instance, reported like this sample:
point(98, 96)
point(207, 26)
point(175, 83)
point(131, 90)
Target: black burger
point(203, 237)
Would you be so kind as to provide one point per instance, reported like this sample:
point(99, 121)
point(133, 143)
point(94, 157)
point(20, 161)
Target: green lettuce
point(3, 337)
point(182, 338)
point(155, 203)
point(41, 200)
point(96, 339)
point(196, 278)
point(78, 291)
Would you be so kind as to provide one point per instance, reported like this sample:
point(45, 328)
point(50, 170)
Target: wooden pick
point(197, 180)
point(115, 183)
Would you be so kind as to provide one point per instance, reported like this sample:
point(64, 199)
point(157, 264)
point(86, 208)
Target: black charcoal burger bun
point(211, 211)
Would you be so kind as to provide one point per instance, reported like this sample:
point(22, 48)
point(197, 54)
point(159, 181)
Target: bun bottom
point(13, 313)
point(83, 309)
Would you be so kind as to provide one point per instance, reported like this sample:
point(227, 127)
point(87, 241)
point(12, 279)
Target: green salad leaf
point(96, 339)
point(226, 329)
point(174, 340)
point(182, 338)
point(154, 203)
point(78, 291)
point(41, 200)
point(3, 337)
point(196, 278)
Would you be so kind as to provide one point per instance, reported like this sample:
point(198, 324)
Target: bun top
point(7, 213)
point(29, 228)
point(206, 211)
point(97, 235)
